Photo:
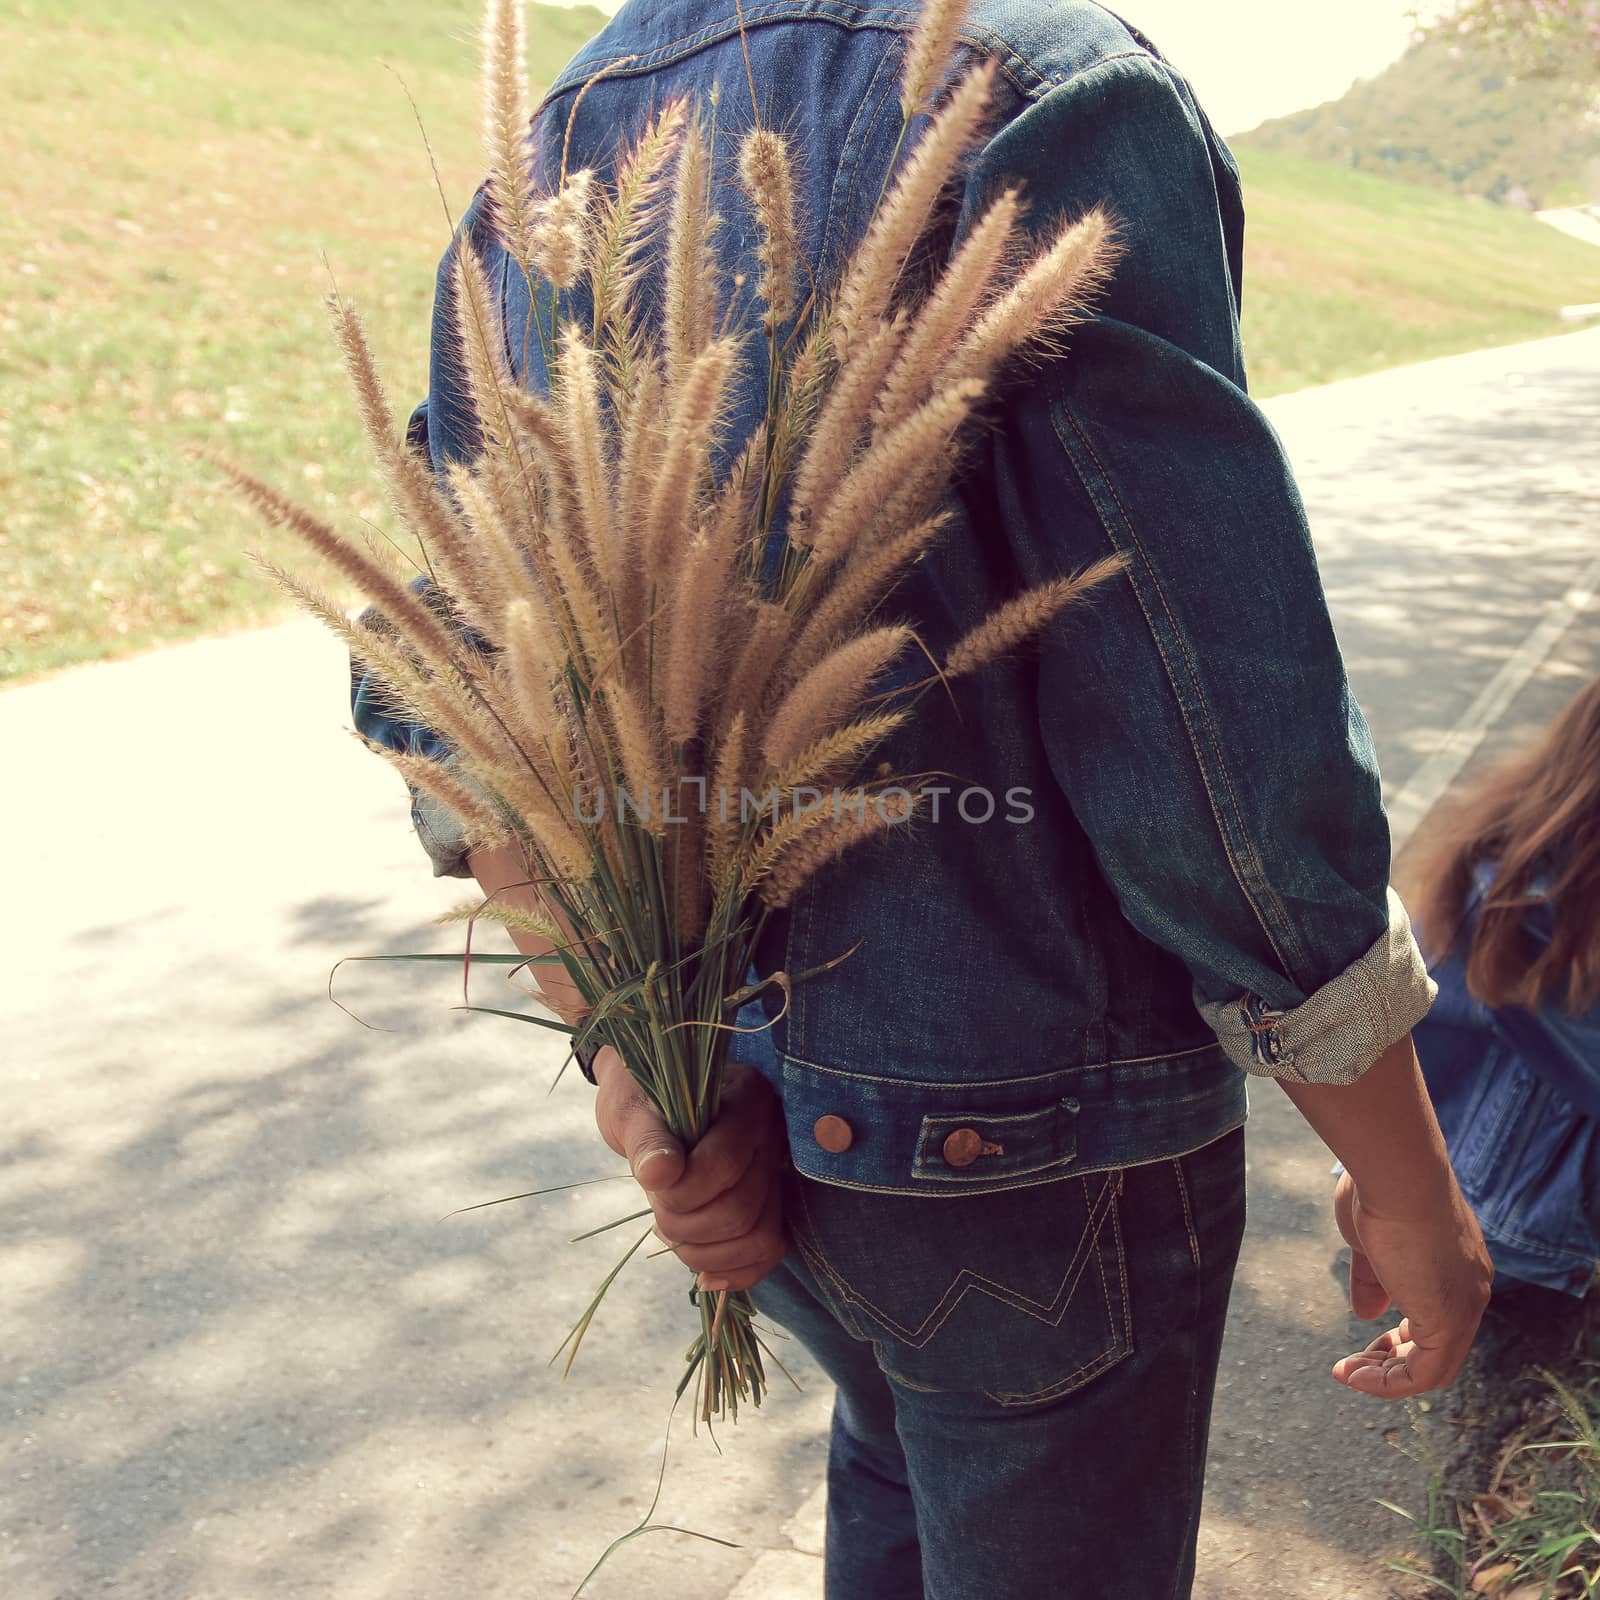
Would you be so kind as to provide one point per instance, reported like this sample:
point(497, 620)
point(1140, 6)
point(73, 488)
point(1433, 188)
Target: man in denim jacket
point(1003, 1139)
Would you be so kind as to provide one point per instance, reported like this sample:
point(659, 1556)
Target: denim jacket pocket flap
point(973, 1146)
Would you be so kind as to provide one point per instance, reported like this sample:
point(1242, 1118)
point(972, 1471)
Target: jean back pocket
point(1020, 1296)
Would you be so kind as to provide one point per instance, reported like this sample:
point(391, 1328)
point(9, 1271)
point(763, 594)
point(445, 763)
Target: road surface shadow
point(247, 1352)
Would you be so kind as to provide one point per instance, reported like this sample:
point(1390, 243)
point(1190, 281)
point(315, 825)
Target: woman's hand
point(1433, 1266)
point(718, 1204)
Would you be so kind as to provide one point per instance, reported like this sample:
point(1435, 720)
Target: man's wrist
point(1417, 1188)
point(1383, 1129)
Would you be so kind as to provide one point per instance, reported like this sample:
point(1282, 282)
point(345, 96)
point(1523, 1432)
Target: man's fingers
point(744, 1278)
point(632, 1126)
point(759, 1238)
point(734, 1146)
point(748, 1260)
point(718, 1205)
point(1368, 1297)
point(756, 1253)
point(1383, 1369)
point(732, 1213)
point(719, 1164)
point(1344, 1209)
point(1395, 1367)
point(746, 1130)
point(1390, 1379)
point(656, 1160)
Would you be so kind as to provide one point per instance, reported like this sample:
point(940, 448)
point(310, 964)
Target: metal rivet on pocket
point(834, 1134)
point(963, 1147)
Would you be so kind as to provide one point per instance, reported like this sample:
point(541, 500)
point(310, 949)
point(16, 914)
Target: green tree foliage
point(1545, 38)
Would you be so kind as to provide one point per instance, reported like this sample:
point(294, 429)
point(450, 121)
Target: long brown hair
point(1538, 816)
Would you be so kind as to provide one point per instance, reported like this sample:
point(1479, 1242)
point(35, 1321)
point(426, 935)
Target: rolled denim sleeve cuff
point(442, 836)
point(1336, 1034)
point(442, 832)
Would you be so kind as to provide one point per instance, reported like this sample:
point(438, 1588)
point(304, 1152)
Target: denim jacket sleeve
point(1197, 714)
point(439, 830)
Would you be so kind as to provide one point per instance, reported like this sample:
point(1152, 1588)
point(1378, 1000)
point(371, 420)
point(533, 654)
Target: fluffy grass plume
point(638, 660)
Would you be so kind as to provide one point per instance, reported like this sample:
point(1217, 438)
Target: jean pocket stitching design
point(1091, 1369)
point(1121, 1344)
point(968, 1280)
point(1085, 1374)
point(1122, 1270)
point(836, 1291)
point(1188, 1212)
point(900, 1378)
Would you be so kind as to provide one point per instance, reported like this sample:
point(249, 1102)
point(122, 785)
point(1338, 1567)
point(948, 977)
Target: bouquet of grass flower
point(639, 661)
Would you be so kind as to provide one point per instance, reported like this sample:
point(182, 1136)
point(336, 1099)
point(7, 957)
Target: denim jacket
point(1518, 1098)
point(1200, 882)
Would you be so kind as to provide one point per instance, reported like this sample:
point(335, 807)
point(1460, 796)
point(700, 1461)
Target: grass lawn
point(1347, 273)
point(175, 175)
point(177, 171)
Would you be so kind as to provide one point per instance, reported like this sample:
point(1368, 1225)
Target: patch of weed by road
point(1519, 1517)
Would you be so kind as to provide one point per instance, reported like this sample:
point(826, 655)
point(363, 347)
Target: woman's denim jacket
point(1518, 1097)
point(1200, 884)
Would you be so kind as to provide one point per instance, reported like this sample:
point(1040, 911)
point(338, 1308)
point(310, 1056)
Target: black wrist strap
point(584, 1055)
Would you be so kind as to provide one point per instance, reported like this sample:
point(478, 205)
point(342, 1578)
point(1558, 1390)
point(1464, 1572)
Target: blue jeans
point(1023, 1379)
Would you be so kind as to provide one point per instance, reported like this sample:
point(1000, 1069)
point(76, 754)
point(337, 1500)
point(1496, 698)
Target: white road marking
point(1427, 786)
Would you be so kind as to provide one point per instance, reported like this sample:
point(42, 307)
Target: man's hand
point(718, 1205)
point(1414, 1242)
point(1432, 1266)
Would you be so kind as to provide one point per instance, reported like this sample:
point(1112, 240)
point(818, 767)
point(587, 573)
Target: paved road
point(242, 1356)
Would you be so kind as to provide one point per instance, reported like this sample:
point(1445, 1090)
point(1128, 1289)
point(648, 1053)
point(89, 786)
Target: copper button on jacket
point(963, 1147)
point(834, 1134)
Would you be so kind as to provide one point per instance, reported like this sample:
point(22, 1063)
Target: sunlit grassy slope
point(180, 181)
point(178, 173)
point(1347, 273)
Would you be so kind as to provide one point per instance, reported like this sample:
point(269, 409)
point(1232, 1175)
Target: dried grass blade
point(485, 825)
point(949, 312)
point(690, 296)
point(901, 221)
point(523, 918)
point(698, 411)
point(928, 53)
point(831, 448)
point(723, 804)
point(828, 693)
point(588, 455)
point(870, 571)
point(907, 452)
point(766, 167)
point(838, 751)
point(423, 630)
point(505, 128)
point(766, 635)
point(628, 218)
point(1023, 616)
point(810, 854)
point(1052, 293)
